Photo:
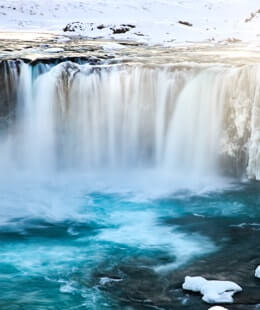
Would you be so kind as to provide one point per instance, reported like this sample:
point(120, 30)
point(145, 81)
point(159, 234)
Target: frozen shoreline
point(161, 22)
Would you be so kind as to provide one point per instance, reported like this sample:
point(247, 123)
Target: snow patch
point(107, 280)
point(54, 50)
point(213, 291)
point(257, 272)
point(112, 46)
point(63, 39)
point(217, 308)
point(194, 284)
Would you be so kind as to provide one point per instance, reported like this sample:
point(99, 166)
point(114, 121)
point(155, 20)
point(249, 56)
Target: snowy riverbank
point(152, 22)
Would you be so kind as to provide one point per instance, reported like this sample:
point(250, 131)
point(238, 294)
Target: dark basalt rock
point(140, 286)
point(185, 23)
point(74, 26)
point(9, 72)
point(9, 79)
point(236, 261)
point(120, 29)
point(139, 34)
point(79, 60)
point(128, 25)
point(100, 27)
point(80, 26)
point(249, 296)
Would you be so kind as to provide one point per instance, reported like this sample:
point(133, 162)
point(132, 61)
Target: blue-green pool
point(70, 243)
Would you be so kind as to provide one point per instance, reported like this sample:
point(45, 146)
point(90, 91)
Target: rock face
point(9, 72)
point(122, 28)
point(74, 26)
point(213, 291)
point(12, 79)
point(111, 29)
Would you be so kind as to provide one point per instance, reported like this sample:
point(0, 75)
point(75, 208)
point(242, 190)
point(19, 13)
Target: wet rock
point(136, 285)
point(79, 60)
point(9, 72)
point(249, 296)
point(144, 287)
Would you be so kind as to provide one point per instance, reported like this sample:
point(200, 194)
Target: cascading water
point(103, 171)
point(189, 120)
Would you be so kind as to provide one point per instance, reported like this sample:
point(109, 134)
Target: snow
point(63, 40)
point(107, 280)
point(54, 50)
point(155, 21)
point(217, 308)
point(112, 46)
point(213, 291)
point(257, 272)
point(219, 291)
point(194, 284)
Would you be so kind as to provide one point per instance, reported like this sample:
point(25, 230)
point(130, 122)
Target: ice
point(213, 291)
point(217, 308)
point(54, 50)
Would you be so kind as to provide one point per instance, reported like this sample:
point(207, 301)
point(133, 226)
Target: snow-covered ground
point(147, 21)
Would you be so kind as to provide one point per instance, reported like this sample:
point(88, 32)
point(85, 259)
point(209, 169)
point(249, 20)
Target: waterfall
point(193, 137)
point(188, 120)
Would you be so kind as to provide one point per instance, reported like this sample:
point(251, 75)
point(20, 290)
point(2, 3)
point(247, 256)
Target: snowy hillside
point(150, 21)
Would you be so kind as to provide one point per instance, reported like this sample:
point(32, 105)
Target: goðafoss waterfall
point(189, 120)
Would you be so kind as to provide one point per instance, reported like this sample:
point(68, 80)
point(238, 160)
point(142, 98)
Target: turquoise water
point(67, 245)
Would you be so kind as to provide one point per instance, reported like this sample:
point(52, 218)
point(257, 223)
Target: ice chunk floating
point(257, 272)
point(217, 308)
point(213, 291)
